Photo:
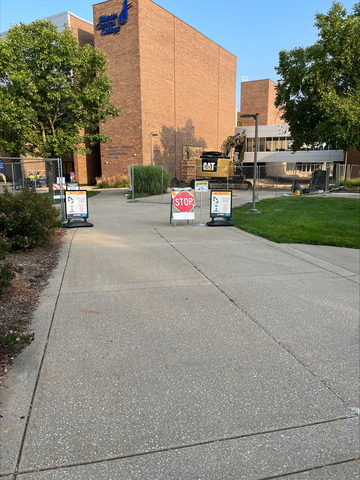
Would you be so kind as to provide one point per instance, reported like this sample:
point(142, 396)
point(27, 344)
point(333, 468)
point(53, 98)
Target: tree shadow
point(179, 150)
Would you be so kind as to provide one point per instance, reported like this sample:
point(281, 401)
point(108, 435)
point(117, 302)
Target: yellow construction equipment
point(224, 169)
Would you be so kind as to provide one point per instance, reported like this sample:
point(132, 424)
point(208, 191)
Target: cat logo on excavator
point(209, 166)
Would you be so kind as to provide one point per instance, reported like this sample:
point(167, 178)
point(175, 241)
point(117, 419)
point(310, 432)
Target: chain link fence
point(272, 180)
point(45, 175)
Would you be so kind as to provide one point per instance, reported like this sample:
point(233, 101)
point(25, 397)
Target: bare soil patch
point(348, 190)
point(20, 300)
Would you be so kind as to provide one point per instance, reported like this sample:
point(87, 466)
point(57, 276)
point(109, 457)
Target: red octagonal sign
point(184, 201)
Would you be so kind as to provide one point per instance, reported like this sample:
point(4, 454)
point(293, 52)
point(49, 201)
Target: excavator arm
point(236, 143)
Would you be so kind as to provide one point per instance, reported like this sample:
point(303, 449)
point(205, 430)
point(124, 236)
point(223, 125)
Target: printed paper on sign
point(76, 204)
point(221, 204)
point(201, 186)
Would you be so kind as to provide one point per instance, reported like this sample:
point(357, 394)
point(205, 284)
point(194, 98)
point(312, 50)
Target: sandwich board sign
point(220, 207)
point(202, 187)
point(76, 208)
point(182, 205)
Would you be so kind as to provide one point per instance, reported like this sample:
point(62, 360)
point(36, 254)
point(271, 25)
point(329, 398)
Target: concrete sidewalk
point(186, 353)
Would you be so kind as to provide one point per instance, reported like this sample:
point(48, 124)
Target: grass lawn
point(91, 193)
point(312, 220)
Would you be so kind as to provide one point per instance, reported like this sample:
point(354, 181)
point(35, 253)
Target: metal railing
point(272, 180)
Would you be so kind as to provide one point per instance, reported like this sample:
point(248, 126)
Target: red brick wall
point(258, 97)
point(87, 167)
point(274, 113)
point(170, 80)
point(83, 31)
point(157, 50)
point(124, 67)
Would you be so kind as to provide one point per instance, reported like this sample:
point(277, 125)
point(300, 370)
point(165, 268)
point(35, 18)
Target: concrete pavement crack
point(256, 322)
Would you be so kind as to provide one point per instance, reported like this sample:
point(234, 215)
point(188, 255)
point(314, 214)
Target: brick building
point(274, 139)
point(86, 167)
point(275, 143)
point(258, 96)
point(169, 79)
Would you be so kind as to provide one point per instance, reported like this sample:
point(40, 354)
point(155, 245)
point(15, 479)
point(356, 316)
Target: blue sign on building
point(113, 23)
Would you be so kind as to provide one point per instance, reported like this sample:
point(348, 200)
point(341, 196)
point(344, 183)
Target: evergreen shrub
point(26, 219)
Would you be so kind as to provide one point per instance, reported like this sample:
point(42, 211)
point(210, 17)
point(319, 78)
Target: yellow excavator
point(224, 169)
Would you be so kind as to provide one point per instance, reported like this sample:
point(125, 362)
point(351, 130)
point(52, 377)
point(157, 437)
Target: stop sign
point(184, 201)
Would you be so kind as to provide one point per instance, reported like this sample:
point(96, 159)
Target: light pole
point(151, 144)
point(256, 118)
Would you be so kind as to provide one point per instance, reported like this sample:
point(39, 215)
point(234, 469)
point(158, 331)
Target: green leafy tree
point(319, 91)
point(54, 93)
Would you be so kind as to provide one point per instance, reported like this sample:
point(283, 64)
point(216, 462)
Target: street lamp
point(256, 118)
point(151, 143)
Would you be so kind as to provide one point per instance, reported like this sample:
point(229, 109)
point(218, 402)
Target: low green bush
point(26, 219)
point(151, 180)
point(351, 182)
point(4, 246)
point(17, 336)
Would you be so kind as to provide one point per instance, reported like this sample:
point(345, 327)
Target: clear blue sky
point(253, 30)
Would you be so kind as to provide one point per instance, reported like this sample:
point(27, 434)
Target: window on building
point(282, 144)
point(250, 145)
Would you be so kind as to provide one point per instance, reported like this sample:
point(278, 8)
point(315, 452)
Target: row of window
point(304, 167)
point(278, 144)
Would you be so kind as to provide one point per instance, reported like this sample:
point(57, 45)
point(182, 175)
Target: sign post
point(76, 208)
point(182, 205)
point(220, 207)
point(202, 187)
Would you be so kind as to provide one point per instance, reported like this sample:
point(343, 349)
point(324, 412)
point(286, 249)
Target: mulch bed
point(18, 302)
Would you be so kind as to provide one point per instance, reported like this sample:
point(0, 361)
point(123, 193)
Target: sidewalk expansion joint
point(42, 359)
point(312, 469)
point(185, 447)
point(257, 323)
